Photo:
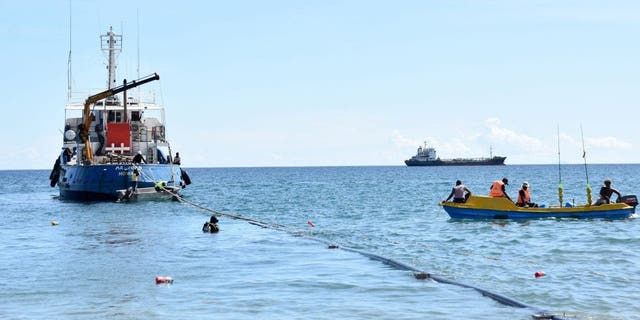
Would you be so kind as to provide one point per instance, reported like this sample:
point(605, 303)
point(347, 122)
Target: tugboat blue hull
point(102, 181)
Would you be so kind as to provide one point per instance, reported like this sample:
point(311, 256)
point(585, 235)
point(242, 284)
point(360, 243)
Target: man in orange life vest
point(497, 189)
point(524, 197)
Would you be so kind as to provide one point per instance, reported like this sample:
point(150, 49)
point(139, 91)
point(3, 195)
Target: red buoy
point(161, 280)
point(310, 223)
point(539, 274)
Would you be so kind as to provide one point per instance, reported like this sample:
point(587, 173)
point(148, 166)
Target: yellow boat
point(483, 208)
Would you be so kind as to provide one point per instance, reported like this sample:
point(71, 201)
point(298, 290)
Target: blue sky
point(314, 83)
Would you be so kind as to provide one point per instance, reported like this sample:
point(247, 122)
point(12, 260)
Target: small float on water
point(486, 208)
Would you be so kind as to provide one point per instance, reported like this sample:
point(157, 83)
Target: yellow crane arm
point(84, 133)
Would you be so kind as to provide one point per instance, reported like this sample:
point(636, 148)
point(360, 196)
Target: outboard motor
point(629, 199)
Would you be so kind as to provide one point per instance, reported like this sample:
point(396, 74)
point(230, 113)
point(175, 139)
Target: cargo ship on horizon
point(426, 156)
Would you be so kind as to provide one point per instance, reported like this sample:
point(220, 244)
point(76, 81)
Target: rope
point(230, 215)
point(418, 274)
point(143, 174)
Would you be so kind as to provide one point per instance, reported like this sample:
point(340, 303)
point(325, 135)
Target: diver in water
point(211, 226)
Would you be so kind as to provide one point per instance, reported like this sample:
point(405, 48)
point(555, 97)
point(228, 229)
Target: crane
point(84, 133)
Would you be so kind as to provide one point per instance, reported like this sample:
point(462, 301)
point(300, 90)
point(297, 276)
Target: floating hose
point(418, 274)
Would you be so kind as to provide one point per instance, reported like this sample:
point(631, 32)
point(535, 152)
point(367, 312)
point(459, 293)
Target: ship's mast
point(69, 60)
point(112, 44)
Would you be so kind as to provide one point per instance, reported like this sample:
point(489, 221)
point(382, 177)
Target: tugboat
point(426, 156)
point(103, 135)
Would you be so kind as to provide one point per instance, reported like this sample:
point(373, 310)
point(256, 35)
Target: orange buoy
point(310, 223)
point(161, 280)
point(539, 274)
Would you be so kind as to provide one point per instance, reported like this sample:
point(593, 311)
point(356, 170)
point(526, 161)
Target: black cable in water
point(418, 274)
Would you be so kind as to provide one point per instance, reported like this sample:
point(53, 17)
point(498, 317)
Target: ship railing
point(145, 100)
point(131, 106)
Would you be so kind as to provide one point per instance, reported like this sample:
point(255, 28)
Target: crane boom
point(84, 133)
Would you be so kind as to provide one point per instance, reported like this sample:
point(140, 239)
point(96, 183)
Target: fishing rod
point(586, 172)
point(560, 191)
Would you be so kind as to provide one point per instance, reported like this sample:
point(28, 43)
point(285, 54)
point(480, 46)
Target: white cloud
point(276, 156)
point(609, 142)
point(458, 147)
point(569, 139)
point(401, 141)
point(497, 132)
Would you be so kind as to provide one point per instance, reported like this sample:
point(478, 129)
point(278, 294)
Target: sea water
point(101, 260)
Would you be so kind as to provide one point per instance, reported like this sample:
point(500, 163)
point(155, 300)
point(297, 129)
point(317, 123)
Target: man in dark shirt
point(138, 158)
point(605, 193)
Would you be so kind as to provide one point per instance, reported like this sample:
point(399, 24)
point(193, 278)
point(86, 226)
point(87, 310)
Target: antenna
point(112, 44)
point(69, 59)
point(584, 155)
point(559, 171)
point(138, 39)
point(138, 48)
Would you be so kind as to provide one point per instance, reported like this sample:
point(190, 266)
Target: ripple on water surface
point(101, 260)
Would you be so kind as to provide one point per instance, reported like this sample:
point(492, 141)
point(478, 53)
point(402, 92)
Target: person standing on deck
point(134, 179)
point(138, 158)
point(176, 159)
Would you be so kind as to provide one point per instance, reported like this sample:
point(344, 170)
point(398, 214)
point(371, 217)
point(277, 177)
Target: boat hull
point(102, 181)
point(148, 194)
point(495, 161)
point(486, 208)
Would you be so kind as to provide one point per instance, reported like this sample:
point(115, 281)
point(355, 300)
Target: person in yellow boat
point(460, 193)
point(497, 189)
point(524, 197)
point(605, 193)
